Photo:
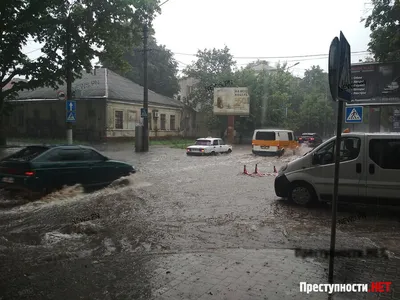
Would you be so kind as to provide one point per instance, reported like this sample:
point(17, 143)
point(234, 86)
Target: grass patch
point(178, 144)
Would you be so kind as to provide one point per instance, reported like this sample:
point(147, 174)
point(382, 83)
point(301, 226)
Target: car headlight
point(283, 168)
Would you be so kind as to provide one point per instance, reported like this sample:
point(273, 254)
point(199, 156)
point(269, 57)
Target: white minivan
point(369, 170)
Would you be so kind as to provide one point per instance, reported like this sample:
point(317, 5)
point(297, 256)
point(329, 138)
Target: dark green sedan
point(37, 170)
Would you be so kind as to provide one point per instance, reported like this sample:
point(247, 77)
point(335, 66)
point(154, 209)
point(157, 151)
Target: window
point(172, 122)
point(290, 134)
point(215, 143)
point(91, 155)
point(66, 155)
point(119, 119)
point(163, 121)
point(349, 150)
point(221, 142)
point(265, 136)
point(28, 153)
point(203, 143)
point(385, 153)
point(131, 119)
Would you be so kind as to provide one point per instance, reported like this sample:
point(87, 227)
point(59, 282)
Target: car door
point(99, 170)
point(383, 168)
point(215, 145)
point(71, 165)
point(351, 171)
point(222, 146)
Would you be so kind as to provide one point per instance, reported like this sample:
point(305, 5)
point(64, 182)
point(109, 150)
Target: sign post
point(340, 87)
point(70, 117)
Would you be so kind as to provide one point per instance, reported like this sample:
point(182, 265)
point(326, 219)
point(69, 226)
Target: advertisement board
point(232, 101)
point(375, 84)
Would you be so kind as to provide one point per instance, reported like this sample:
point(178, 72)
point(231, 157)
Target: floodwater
point(104, 242)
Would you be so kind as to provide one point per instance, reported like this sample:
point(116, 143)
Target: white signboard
point(231, 101)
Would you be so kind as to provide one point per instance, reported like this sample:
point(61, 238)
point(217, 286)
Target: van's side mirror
point(315, 159)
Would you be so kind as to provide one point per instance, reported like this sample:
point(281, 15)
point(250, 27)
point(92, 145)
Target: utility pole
point(68, 75)
point(145, 143)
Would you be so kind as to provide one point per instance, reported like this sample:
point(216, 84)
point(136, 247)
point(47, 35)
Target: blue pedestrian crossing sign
point(143, 112)
point(71, 116)
point(354, 114)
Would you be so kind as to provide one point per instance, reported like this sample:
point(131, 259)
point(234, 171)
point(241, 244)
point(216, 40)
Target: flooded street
point(166, 231)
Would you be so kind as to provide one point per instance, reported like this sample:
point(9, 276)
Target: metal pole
point(145, 144)
point(335, 189)
point(68, 76)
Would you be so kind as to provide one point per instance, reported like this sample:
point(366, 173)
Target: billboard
point(375, 83)
point(231, 101)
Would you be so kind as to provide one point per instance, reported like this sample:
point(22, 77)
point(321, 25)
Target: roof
point(101, 83)
point(283, 130)
point(208, 138)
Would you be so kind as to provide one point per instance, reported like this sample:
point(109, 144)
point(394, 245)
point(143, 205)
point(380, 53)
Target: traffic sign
point(143, 112)
point(354, 114)
point(61, 95)
point(345, 87)
point(71, 105)
point(71, 116)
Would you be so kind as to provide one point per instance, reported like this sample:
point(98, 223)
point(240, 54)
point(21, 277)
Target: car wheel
point(302, 194)
point(280, 153)
point(229, 151)
point(213, 153)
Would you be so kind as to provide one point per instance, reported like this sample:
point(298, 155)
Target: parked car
point(37, 170)
point(310, 139)
point(369, 171)
point(208, 146)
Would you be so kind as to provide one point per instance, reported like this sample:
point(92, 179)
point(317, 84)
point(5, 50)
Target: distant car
point(37, 170)
point(208, 146)
point(310, 139)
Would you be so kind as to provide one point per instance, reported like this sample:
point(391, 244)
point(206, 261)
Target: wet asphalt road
point(102, 245)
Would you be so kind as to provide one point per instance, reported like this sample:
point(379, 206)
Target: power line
point(275, 57)
point(163, 3)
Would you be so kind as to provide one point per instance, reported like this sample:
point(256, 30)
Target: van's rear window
point(27, 153)
point(265, 136)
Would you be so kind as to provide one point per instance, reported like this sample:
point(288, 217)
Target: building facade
point(107, 107)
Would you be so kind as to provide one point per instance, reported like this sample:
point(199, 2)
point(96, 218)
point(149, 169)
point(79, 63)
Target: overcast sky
point(259, 29)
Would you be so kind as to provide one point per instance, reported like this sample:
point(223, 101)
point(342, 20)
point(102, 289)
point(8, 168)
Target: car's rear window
point(27, 153)
point(203, 142)
point(265, 136)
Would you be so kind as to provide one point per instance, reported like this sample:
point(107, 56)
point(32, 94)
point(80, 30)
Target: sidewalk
point(262, 274)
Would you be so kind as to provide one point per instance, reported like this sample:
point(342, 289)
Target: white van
point(273, 141)
point(369, 170)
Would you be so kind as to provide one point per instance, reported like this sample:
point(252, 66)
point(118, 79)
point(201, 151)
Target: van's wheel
point(229, 151)
point(302, 194)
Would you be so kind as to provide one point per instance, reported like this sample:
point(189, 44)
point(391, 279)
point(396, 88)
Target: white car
point(208, 146)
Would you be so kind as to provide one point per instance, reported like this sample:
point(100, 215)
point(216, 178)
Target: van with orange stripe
point(273, 141)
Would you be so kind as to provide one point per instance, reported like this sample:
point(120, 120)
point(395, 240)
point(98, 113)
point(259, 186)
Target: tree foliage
point(212, 68)
point(277, 98)
point(162, 68)
point(385, 34)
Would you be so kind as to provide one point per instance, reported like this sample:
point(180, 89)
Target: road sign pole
point(69, 78)
point(335, 189)
point(145, 144)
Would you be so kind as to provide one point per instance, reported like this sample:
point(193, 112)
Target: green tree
point(317, 109)
point(162, 68)
point(212, 68)
point(384, 25)
point(103, 28)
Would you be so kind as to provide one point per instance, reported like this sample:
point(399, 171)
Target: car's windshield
point(203, 142)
